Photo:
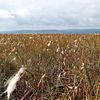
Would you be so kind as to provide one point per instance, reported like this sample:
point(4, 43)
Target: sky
point(49, 14)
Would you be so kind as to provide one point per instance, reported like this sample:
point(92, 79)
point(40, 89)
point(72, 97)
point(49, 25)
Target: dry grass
point(71, 64)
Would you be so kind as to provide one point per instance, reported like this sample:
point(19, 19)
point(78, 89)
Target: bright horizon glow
point(49, 14)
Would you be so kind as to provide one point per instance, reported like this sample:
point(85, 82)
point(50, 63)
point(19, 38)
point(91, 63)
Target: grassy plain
point(71, 64)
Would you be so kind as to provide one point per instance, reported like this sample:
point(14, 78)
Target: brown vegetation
point(71, 64)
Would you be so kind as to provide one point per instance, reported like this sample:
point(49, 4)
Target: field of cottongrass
point(59, 67)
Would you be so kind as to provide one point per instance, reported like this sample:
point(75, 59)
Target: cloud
point(23, 13)
point(4, 14)
point(50, 13)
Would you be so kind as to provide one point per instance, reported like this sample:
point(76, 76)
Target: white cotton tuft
point(12, 85)
point(21, 70)
point(12, 82)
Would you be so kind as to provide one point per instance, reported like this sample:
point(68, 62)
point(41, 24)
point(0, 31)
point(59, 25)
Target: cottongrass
point(11, 83)
point(41, 82)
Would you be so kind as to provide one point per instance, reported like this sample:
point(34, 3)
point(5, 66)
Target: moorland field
point(60, 67)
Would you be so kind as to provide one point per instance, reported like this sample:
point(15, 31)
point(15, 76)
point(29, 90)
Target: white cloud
point(5, 15)
point(23, 13)
point(50, 13)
